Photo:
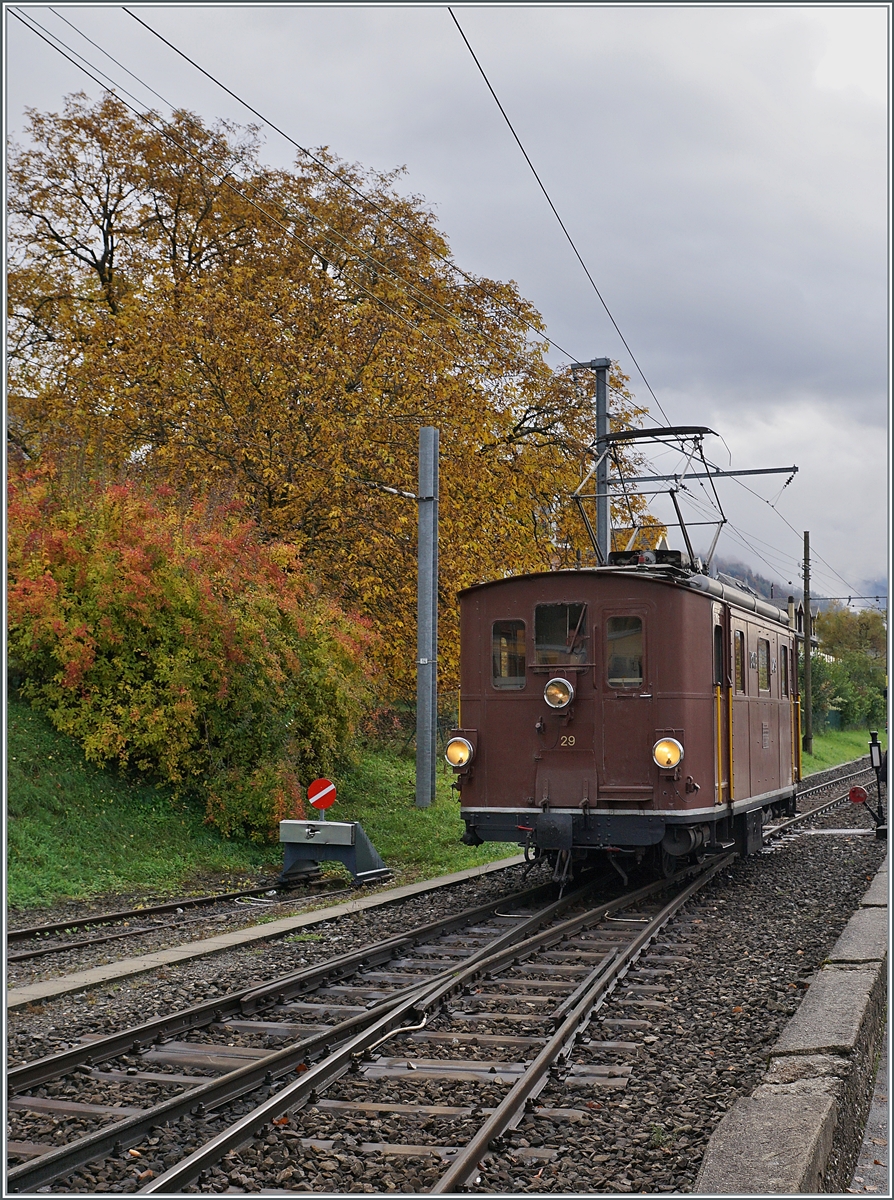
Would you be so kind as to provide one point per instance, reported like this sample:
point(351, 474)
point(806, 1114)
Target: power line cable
point(51, 39)
point(164, 131)
point(347, 183)
point(336, 233)
point(160, 126)
point(795, 531)
point(564, 228)
point(772, 504)
point(345, 242)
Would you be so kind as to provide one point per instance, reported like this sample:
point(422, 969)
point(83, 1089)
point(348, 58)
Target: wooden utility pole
point(807, 738)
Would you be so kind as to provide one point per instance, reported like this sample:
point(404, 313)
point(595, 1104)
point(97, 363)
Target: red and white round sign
point(321, 793)
point(858, 795)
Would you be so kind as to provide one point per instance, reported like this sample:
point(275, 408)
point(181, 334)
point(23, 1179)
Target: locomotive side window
point(625, 651)
point(560, 635)
point(763, 665)
point(718, 656)
point(508, 654)
point(739, 654)
point(783, 677)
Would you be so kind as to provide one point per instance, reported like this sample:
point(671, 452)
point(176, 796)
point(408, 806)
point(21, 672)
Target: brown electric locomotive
point(638, 709)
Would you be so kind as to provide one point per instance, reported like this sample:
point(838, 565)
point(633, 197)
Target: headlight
point(667, 753)
point(459, 752)
point(558, 693)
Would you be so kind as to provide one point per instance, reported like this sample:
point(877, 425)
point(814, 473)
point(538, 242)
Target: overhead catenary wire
point(347, 183)
point(772, 504)
point(422, 297)
point(555, 211)
point(583, 264)
point(795, 531)
point(113, 89)
point(369, 200)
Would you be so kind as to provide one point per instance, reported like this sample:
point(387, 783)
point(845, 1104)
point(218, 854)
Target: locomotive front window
point(625, 651)
point(560, 635)
point(763, 665)
point(508, 654)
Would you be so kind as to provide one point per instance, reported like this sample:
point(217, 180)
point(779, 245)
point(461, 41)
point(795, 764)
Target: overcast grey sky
point(723, 170)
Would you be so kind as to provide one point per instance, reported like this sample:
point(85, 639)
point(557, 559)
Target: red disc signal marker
point(858, 795)
point(321, 793)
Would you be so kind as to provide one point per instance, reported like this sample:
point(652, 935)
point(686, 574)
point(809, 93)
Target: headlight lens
point(667, 753)
point(459, 752)
point(558, 693)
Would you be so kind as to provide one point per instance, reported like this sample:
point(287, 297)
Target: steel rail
point(119, 935)
point(819, 787)
point(243, 1001)
point(581, 1004)
point(45, 951)
point(234, 1084)
point(21, 935)
point(509, 946)
point(800, 818)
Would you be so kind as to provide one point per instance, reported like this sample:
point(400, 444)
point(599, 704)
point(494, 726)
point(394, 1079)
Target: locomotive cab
point(600, 714)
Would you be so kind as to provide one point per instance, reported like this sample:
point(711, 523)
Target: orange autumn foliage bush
point(172, 641)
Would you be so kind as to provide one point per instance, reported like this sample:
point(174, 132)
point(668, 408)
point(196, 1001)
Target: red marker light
point(858, 795)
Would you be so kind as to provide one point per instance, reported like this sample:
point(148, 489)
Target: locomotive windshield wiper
point(580, 621)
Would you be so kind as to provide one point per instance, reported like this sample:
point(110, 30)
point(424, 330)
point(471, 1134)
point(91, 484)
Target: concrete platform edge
point(801, 1129)
point(64, 985)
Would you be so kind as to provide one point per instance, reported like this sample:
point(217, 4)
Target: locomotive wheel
point(665, 864)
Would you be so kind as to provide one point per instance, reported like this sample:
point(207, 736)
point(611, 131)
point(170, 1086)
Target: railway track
point(167, 1096)
point(62, 926)
point(772, 832)
point(511, 986)
point(517, 1011)
point(309, 1004)
point(43, 943)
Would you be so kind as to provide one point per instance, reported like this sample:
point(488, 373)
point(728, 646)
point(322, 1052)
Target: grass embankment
point(838, 746)
point(75, 831)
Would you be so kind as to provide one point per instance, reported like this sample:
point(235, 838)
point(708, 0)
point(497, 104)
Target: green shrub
point(853, 685)
point(172, 641)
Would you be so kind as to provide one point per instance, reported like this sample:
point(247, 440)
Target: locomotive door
point(722, 706)
point(565, 774)
point(627, 715)
point(739, 732)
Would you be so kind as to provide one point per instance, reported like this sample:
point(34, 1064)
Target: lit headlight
point(558, 693)
point(459, 752)
point(667, 753)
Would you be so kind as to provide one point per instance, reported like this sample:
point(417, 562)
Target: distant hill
point(875, 587)
point(729, 569)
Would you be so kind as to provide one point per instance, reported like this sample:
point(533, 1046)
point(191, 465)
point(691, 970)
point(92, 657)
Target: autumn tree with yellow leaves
point(180, 312)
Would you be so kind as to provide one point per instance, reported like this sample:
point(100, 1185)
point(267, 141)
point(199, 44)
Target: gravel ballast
point(754, 940)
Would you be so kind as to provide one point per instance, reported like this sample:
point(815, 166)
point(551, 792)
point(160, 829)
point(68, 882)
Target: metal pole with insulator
point(602, 539)
point(807, 742)
point(603, 506)
point(427, 618)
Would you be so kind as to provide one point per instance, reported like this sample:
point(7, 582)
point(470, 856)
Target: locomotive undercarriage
point(662, 841)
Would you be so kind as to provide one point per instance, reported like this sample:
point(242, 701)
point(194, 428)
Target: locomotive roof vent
point(648, 558)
